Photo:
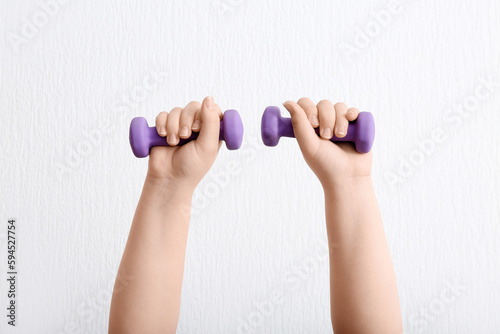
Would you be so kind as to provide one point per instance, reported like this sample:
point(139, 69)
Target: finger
point(173, 126)
point(302, 129)
point(197, 122)
point(219, 112)
point(197, 118)
point(187, 118)
point(311, 111)
point(161, 121)
point(208, 140)
point(326, 112)
point(352, 114)
point(341, 122)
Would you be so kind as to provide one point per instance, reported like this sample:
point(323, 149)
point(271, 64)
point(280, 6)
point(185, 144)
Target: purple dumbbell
point(142, 137)
point(361, 131)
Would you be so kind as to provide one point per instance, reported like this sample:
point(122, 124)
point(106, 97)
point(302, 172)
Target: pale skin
point(148, 299)
point(363, 290)
point(147, 293)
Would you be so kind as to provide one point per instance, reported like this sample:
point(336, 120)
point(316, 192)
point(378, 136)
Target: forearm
point(153, 262)
point(364, 297)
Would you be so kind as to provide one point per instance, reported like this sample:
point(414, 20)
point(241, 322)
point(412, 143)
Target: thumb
point(208, 139)
point(306, 136)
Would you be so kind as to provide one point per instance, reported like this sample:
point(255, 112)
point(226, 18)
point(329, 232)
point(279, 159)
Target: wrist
point(339, 187)
point(169, 190)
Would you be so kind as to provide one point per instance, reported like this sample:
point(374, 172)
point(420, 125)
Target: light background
point(258, 217)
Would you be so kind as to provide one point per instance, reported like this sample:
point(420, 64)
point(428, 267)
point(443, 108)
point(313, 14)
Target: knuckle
point(325, 102)
point(161, 115)
point(341, 105)
point(305, 102)
point(194, 104)
point(175, 111)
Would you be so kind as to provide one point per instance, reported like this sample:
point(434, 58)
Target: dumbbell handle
point(361, 131)
point(286, 130)
point(157, 140)
point(142, 137)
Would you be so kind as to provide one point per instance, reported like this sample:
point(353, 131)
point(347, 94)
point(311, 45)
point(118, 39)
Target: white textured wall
point(72, 182)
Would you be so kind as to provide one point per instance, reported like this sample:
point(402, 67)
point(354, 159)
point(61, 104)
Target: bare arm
point(148, 287)
point(363, 290)
point(364, 296)
point(153, 262)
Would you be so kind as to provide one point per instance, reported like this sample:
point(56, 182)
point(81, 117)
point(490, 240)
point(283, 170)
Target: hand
point(333, 163)
point(186, 165)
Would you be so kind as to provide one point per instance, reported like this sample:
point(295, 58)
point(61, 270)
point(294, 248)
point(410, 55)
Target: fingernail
point(163, 131)
point(172, 139)
point(196, 125)
point(184, 131)
point(350, 112)
point(341, 130)
point(314, 120)
point(327, 133)
point(210, 102)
